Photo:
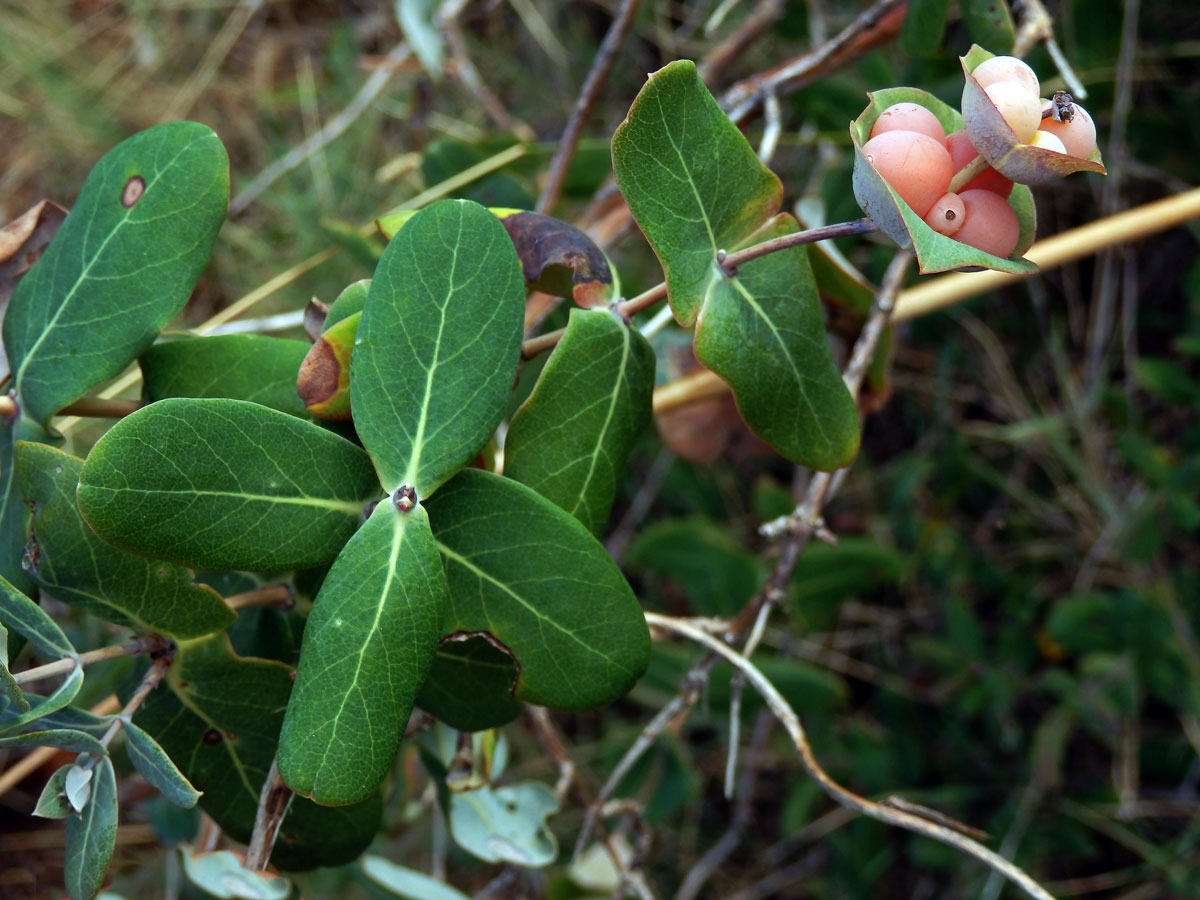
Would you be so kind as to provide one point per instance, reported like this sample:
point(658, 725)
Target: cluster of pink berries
point(910, 150)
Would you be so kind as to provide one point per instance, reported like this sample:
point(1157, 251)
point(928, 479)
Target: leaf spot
point(133, 190)
point(212, 736)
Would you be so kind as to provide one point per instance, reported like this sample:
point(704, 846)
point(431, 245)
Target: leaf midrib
point(348, 507)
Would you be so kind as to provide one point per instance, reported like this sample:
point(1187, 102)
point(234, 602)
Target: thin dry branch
point(606, 56)
point(889, 815)
point(874, 27)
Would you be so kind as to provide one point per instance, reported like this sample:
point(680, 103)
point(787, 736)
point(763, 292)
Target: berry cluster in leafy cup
point(909, 147)
point(923, 170)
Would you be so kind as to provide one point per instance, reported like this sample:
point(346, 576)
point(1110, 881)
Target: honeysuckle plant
point(360, 470)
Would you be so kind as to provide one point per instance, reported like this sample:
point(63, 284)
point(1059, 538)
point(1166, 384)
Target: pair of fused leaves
point(696, 188)
point(226, 483)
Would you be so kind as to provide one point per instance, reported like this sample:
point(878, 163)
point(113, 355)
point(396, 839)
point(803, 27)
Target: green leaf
point(253, 367)
point(120, 268)
point(692, 182)
point(11, 695)
point(400, 881)
point(225, 484)
point(525, 572)
point(60, 738)
point(22, 615)
point(418, 21)
point(13, 513)
point(506, 824)
point(62, 696)
point(470, 685)
point(351, 300)
point(935, 252)
point(438, 345)
point(76, 567)
point(72, 718)
point(570, 439)
point(52, 802)
point(924, 27)
point(223, 874)
point(989, 23)
point(156, 767)
point(218, 717)
point(368, 645)
point(763, 331)
point(91, 836)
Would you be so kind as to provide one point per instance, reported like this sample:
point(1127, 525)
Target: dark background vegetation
point(1007, 628)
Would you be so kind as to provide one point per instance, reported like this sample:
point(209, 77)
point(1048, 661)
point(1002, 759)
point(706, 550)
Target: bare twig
point(787, 716)
point(876, 26)
point(552, 742)
point(147, 644)
point(606, 56)
point(675, 710)
point(717, 60)
point(332, 130)
point(277, 595)
point(743, 815)
point(150, 681)
point(273, 802)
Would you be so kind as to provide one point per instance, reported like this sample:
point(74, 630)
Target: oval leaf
point(254, 367)
point(91, 836)
point(368, 645)
point(217, 716)
point(156, 767)
point(225, 484)
point(400, 881)
point(506, 824)
point(763, 331)
point(693, 183)
point(76, 567)
point(52, 802)
point(120, 268)
point(570, 439)
point(470, 685)
point(223, 874)
point(522, 570)
point(438, 345)
point(59, 738)
point(25, 617)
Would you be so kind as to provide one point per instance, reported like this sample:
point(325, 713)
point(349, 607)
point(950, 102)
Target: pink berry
point(946, 216)
point(909, 117)
point(916, 166)
point(989, 223)
point(962, 151)
point(1020, 109)
point(1006, 68)
point(1078, 135)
